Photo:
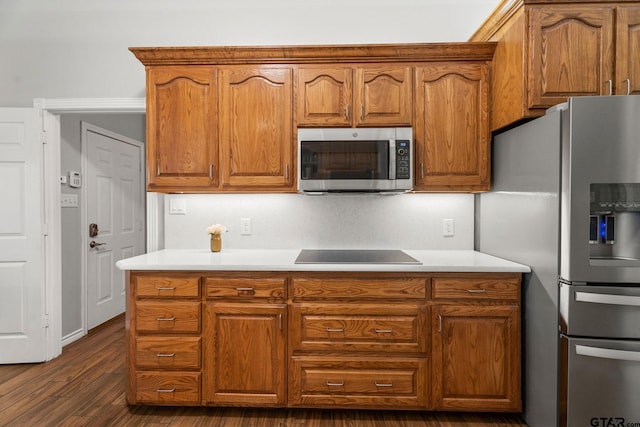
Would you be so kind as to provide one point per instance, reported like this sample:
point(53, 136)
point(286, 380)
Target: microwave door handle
point(392, 159)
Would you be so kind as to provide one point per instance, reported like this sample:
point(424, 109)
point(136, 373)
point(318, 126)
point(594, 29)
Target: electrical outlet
point(245, 226)
point(447, 228)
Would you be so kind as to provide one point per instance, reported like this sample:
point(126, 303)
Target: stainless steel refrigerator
point(565, 200)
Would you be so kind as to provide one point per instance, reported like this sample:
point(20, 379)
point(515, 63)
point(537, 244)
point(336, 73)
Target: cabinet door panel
point(181, 127)
point(476, 358)
point(323, 96)
point(383, 96)
point(571, 53)
point(628, 50)
point(256, 128)
point(452, 136)
point(245, 355)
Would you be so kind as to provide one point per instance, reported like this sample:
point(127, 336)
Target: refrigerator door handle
point(608, 353)
point(608, 299)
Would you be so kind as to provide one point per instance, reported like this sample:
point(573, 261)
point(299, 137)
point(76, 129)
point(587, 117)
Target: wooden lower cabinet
point(414, 341)
point(380, 382)
point(476, 343)
point(358, 341)
point(245, 358)
point(168, 388)
point(164, 343)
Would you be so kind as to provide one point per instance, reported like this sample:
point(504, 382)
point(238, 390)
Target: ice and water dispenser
point(614, 222)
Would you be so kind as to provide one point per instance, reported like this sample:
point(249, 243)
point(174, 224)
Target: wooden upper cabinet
point(628, 51)
point(368, 95)
point(548, 52)
point(571, 53)
point(223, 118)
point(451, 134)
point(181, 127)
point(324, 96)
point(256, 121)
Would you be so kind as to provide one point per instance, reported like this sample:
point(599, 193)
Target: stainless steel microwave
point(355, 160)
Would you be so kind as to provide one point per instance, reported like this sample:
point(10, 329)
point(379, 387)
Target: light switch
point(177, 206)
point(69, 200)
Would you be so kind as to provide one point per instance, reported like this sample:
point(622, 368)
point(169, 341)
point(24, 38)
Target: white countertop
point(284, 260)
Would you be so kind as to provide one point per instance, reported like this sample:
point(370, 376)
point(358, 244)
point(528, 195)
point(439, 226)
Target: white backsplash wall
point(295, 221)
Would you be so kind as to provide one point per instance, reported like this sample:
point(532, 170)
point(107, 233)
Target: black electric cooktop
point(354, 256)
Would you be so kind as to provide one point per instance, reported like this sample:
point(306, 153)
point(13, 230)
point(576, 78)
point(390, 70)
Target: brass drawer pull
point(165, 319)
point(383, 384)
point(477, 291)
point(384, 331)
point(166, 289)
point(330, 384)
point(166, 390)
point(165, 354)
point(335, 329)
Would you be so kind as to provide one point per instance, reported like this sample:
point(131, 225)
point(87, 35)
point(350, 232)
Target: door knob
point(93, 244)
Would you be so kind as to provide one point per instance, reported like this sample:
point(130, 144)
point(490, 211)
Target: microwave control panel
point(403, 159)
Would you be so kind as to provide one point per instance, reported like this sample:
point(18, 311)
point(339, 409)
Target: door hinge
point(43, 137)
point(45, 321)
point(45, 229)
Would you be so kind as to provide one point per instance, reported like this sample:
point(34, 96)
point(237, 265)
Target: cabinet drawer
point(246, 288)
point(379, 382)
point(168, 353)
point(168, 387)
point(359, 288)
point(168, 316)
point(169, 286)
point(364, 327)
point(476, 289)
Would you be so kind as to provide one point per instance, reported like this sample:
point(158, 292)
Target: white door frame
point(53, 267)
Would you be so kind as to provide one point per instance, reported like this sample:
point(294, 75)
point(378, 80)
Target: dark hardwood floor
point(85, 386)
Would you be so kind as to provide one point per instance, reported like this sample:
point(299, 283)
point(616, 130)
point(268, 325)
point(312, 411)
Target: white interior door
point(22, 279)
point(114, 196)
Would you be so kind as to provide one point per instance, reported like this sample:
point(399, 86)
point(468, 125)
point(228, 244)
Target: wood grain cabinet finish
point(182, 150)
point(371, 95)
point(451, 134)
point(413, 341)
point(338, 320)
point(476, 344)
point(165, 338)
point(212, 129)
point(349, 381)
point(245, 356)
point(245, 347)
point(548, 52)
point(223, 119)
point(256, 128)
